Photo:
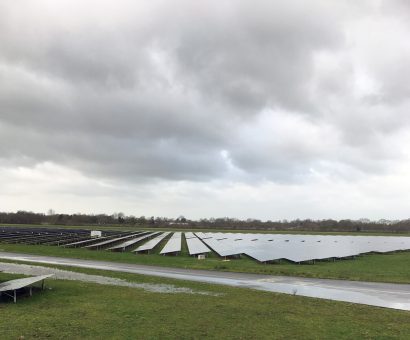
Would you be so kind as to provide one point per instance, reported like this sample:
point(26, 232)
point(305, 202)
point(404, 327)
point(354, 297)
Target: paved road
point(396, 296)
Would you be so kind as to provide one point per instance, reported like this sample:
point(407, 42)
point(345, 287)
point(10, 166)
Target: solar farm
point(263, 248)
point(248, 282)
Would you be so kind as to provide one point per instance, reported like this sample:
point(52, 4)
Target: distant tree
point(181, 219)
point(142, 220)
point(121, 217)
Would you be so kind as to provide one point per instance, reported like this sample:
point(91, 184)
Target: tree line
point(327, 225)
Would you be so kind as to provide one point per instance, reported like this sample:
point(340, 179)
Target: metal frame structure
point(15, 285)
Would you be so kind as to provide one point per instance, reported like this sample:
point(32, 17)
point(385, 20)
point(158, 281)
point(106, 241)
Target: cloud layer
point(132, 99)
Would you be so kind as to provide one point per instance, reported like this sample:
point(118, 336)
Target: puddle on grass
point(24, 269)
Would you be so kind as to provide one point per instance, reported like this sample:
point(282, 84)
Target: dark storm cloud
point(168, 90)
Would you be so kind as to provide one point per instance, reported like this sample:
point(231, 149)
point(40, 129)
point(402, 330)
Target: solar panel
point(14, 285)
point(111, 241)
point(21, 283)
point(151, 244)
point(122, 246)
point(189, 235)
point(222, 247)
point(195, 246)
point(88, 241)
point(173, 245)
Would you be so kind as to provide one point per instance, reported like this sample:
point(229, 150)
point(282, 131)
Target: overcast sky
point(267, 109)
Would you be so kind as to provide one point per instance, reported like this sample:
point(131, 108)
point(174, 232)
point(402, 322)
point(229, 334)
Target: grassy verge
point(78, 310)
point(394, 267)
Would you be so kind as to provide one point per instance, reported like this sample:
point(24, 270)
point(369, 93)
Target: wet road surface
point(389, 295)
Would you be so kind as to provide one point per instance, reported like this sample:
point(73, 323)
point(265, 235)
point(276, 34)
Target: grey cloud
point(255, 56)
point(162, 92)
point(246, 56)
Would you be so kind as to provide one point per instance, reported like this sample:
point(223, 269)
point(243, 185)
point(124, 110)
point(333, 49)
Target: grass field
point(393, 267)
point(78, 310)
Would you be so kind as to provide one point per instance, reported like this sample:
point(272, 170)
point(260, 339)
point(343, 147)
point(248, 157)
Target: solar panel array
point(299, 248)
point(46, 236)
point(261, 247)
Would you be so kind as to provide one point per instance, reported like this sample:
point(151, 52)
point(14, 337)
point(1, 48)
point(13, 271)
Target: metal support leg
point(15, 296)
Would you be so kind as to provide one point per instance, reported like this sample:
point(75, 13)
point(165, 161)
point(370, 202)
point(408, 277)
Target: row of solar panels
point(300, 248)
point(41, 235)
point(261, 247)
point(124, 241)
point(146, 241)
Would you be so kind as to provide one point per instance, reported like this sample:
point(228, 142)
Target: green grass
point(77, 310)
point(394, 267)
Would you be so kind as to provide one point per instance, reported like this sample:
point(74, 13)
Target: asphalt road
point(396, 296)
